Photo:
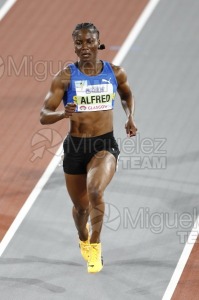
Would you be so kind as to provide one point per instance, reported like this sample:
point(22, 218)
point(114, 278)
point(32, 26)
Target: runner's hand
point(70, 109)
point(130, 127)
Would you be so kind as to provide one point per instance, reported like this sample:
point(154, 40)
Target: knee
point(81, 210)
point(95, 194)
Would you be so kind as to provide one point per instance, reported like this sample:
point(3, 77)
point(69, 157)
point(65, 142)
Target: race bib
point(93, 97)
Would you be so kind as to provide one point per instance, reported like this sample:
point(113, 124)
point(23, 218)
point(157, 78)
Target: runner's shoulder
point(119, 72)
point(62, 78)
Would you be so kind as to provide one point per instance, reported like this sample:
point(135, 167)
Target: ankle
point(94, 240)
point(84, 234)
point(83, 237)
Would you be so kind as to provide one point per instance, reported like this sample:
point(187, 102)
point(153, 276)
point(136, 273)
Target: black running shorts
point(79, 151)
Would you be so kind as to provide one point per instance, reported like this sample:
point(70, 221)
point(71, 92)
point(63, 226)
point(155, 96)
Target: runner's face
point(86, 45)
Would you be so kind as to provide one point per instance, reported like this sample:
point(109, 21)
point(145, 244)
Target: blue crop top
point(91, 93)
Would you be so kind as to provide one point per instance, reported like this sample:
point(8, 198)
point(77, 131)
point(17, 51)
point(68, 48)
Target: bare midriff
point(90, 124)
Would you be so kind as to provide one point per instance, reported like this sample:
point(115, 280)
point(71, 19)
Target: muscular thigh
point(100, 170)
point(77, 189)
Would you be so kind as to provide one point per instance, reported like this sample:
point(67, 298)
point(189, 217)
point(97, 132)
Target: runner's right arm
point(48, 114)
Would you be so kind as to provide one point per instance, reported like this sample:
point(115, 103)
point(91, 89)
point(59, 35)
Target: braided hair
point(91, 27)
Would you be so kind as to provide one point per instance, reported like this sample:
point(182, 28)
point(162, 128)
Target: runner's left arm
point(127, 100)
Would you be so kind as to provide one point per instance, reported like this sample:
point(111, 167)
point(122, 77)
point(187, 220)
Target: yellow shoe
point(95, 262)
point(85, 246)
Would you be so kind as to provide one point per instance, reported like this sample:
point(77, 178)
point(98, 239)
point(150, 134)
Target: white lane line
point(182, 261)
point(6, 7)
point(30, 201)
point(135, 31)
point(53, 164)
